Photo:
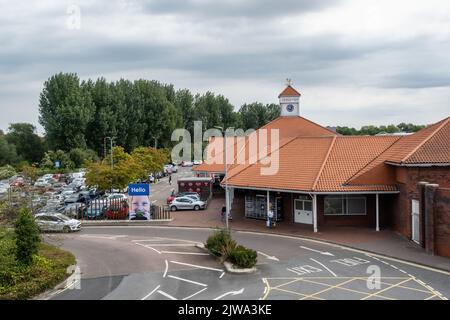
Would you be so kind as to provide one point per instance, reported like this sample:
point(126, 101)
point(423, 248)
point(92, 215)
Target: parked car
point(42, 182)
point(197, 162)
point(186, 203)
point(117, 211)
point(74, 210)
point(56, 222)
point(95, 211)
point(181, 194)
point(18, 182)
point(187, 164)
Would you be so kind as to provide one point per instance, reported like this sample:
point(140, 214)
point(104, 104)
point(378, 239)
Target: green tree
point(27, 237)
point(30, 172)
point(50, 157)
point(8, 154)
point(81, 157)
point(256, 115)
point(29, 146)
point(65, 109)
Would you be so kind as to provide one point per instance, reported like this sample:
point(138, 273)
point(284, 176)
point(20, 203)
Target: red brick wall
point(410, 177)
point(442, 222)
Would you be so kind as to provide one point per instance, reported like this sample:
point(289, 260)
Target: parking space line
point(334, 275)
point(192, 295)
point(152, 292)
point(167, 268)
point(187, 280)
point(166, 295)
point(186, 253)
point(197, 266)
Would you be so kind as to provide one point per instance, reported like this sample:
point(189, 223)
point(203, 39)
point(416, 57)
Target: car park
point(186, 203)
point(56, 222)
point(42, 182)
point(74, 210)
point(95, 211)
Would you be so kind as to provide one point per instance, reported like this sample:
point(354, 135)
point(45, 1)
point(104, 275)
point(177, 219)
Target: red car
point(117, 211)
point(19, 182)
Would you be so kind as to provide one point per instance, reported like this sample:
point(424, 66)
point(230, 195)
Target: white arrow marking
point(268, 257)
point(321, 252)
point(234, 293)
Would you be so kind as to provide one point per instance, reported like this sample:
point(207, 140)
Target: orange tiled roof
point(289, 92)
point(288, 127)
point(428, 146)
point(318, 164)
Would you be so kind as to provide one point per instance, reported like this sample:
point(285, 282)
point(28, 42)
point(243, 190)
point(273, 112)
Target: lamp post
point(111, 139)
point(227, 197)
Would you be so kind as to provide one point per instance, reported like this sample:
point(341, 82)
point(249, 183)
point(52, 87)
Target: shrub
point(27, 237)
point(217, 241)
point(243, 257)
point(7, 172)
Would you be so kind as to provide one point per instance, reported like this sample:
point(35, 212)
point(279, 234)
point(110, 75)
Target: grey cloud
point(227, 8)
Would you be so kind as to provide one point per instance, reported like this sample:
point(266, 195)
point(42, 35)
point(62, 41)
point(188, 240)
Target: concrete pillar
point(315, 212)
point(268, 203)
point(429, 236)
point(377, 207)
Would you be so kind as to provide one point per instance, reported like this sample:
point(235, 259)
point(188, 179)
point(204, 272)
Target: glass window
point(298, 205)
point(356, 205)
point(307, 205)
point(334, 205)
point(345, 205)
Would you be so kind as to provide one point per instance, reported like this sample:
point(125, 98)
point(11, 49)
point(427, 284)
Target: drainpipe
point(378, 212)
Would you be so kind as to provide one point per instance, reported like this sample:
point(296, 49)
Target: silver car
point(186, 203)
point(56, 222)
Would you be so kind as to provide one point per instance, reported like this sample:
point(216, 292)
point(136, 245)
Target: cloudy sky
point(356, 62)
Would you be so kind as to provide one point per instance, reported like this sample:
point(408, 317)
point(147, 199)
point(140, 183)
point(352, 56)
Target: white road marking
point(142, 245)
point(348, 249)
point(152, 292)
point(192, 295)
point(334, 275)
point(268, 257)
point(166, 295)
point(223, 273)
point(167, 267)
point(196, 266)
point(186, 253)
point(173, 245)
point(234, 293)
point(318, 251)
point(187, 280)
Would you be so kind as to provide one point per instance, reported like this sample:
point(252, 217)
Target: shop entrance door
point(303, 211)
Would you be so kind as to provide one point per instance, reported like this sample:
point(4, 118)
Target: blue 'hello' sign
point(138, 189)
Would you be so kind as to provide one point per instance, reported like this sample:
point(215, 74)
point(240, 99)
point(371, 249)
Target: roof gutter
point(424, 165)
point(312, 192)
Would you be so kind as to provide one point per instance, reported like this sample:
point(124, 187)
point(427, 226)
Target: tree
point(149, 159)
point(256, 115)
point(65, 109)
point(29, 146)
point(30, 172)
point(80, 157)
point(51, 157)
point(8, 154)
point(27, 237)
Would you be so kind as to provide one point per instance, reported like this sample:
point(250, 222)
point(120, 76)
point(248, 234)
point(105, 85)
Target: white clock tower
point(290, 101)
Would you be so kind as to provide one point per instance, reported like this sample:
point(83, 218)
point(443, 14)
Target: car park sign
point(138, 189)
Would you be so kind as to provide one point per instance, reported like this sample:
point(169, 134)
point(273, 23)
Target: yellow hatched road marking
point(386, 289)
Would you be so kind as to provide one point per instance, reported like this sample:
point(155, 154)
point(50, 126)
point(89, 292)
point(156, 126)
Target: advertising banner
point(139, 199)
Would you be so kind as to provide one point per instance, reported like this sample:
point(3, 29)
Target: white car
point(186, 203)
point(187, 164)
point(42, 182)
point(56, 222)
point(197, 162)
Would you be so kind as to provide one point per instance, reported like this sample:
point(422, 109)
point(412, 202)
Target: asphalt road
point(158, 263)
point(162, 189)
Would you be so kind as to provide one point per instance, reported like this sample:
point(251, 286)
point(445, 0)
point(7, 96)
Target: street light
point(111, 139)
point(227, 206)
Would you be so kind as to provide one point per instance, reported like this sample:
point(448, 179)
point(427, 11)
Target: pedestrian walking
point(270, 215)
point(170, 179)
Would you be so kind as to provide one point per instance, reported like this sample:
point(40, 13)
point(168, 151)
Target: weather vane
point(288, 82)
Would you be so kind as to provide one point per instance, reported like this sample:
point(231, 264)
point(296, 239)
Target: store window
point(345, 205)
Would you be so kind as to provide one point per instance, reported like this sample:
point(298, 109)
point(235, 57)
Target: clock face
point(290, 108)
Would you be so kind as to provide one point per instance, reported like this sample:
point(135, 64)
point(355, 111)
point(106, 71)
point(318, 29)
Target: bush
point(217, 241)
point(243, 257)
point(7, 172)
point(27, 237)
